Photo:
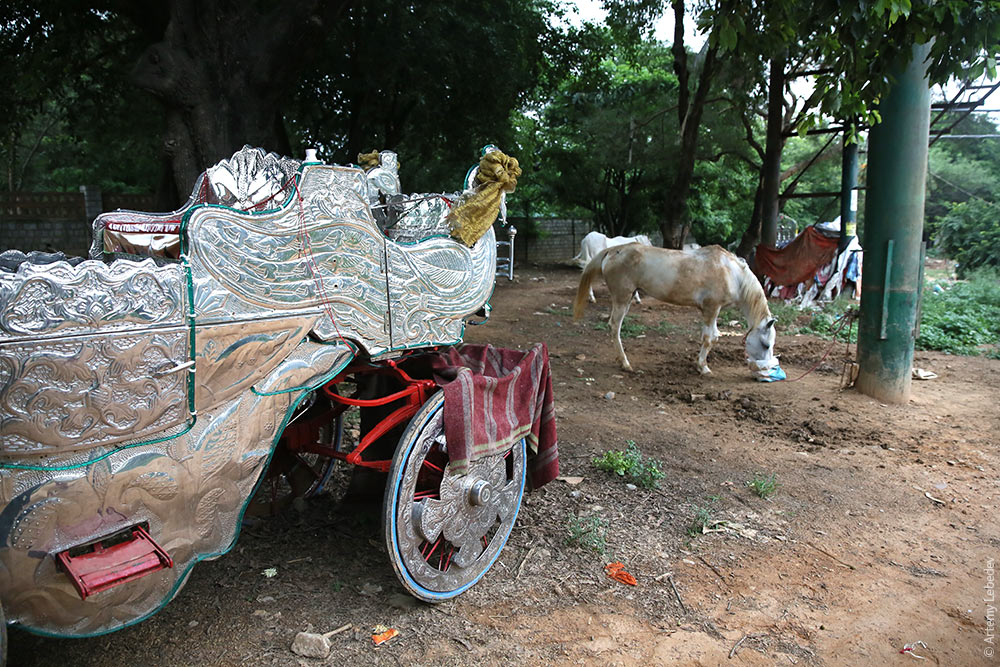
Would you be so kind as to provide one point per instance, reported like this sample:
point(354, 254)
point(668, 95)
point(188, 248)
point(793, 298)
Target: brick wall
point(558, 243)
point(58, 220)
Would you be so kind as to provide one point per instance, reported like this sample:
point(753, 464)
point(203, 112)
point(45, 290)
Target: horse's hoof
point(627, 367)
point(705, 371)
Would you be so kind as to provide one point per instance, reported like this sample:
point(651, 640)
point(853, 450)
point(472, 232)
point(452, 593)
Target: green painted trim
point(18, 466)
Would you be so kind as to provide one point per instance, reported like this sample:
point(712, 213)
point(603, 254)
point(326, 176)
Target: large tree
point(434, 81)
point(605, 139)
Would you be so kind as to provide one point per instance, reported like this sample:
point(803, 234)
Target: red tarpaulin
point(797, 261)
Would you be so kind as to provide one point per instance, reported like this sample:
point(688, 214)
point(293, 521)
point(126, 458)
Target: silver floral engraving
point(59, 298)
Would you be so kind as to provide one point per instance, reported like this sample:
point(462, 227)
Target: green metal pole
point(894, 217)
point(848, 193)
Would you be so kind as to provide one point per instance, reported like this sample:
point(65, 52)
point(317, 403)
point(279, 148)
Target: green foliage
point(631, 465)
point(970, 234)
point(963, 319)
point(825, 322)
point(764, 486)
point(589, 532)
point(605, 136)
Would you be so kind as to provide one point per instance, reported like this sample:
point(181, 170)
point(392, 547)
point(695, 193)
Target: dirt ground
point(884, 530)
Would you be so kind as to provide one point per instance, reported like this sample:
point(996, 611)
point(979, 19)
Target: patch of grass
point(702, 519)
point(665, 328)
point(727, 315)
point(824, 322)
point(964, 318)
point(631, 465)
point(631, 327)
point(562, 312)
point(590, 532)
point(763, 486)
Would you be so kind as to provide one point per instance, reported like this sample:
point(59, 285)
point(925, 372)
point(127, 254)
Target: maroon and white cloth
point(493, 397)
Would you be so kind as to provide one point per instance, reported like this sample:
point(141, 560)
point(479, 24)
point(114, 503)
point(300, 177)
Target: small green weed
point(763, 486)
point(562, 312)
point(589, 532)
point(631, 327)
point(665, 328)
point(631, 465)
point(702, 519)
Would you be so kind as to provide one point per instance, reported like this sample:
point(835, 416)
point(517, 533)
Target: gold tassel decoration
point(475, 213)
point(369, 160)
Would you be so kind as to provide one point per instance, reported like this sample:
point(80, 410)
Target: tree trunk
point(751, 237)
point(774, 142)
point(222, 70)
point(675, 223)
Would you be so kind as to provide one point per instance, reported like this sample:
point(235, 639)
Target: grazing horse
point(707, 278)
point(595, 242)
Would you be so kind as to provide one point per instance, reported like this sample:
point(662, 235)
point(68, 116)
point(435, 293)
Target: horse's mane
point(752, 298)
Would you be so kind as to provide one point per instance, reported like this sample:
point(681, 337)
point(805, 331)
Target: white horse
point(595, 242)
point(708, 278)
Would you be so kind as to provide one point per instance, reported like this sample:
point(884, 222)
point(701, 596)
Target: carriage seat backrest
point(252, 180)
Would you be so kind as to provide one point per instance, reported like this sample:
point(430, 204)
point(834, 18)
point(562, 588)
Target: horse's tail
point(593, 269)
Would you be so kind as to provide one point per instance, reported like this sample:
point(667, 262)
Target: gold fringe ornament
point(475, 212)
point(369, 160)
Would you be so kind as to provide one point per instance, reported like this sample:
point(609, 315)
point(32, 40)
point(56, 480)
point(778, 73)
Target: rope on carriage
point(475, 213)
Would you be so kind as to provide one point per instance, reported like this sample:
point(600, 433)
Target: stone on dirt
point(311, 645)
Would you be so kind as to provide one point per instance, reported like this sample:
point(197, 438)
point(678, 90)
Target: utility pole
point(848, 190)
point(894, 218)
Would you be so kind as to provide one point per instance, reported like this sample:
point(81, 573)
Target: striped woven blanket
point(493, 397)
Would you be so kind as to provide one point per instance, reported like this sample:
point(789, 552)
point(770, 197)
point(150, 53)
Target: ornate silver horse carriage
point(142, 399)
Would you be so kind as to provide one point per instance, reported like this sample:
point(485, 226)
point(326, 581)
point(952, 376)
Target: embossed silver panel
point(68, 393)
point(434, 285)
point(324, 253)
point(190, 489)
point(58, 298)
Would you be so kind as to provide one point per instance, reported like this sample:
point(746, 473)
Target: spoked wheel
point(443, 532)
point(290, 475)
point(295, 474)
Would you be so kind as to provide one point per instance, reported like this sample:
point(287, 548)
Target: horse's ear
point(770, 322)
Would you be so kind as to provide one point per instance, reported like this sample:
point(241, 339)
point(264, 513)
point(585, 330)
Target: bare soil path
point(881, 533)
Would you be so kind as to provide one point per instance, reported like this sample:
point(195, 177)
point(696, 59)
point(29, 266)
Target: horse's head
point(760, 347)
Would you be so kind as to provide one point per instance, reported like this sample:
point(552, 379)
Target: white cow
point(595, 242)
